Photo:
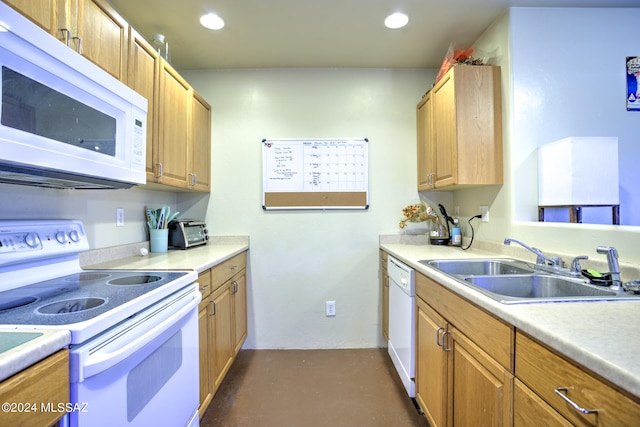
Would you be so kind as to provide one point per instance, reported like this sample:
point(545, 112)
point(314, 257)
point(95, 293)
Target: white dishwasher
point(402, 322)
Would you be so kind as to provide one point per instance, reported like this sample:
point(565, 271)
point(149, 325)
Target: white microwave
point(64, 122)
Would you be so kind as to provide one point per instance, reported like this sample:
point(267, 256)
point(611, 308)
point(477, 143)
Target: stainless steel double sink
point(510, 281)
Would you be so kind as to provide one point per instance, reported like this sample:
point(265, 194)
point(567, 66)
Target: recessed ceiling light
point(211, 21)
point(396, 20)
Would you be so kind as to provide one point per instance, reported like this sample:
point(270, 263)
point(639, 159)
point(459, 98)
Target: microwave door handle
point(102, 359)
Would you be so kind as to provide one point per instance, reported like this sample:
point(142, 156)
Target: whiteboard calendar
point(315, 173)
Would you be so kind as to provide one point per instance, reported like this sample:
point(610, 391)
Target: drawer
point(491, 334)
point(225, 270)
point(545, 371)
point(204, 283)
point(383, 260)
point(530, 410)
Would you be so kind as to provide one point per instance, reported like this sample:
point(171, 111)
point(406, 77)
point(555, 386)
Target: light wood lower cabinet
point(45, 383)
point(222, 323)
point(545, 376)
point(385, 295)
point(464, 360)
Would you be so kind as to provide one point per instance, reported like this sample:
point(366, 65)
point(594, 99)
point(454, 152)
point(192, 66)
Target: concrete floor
point(309, 388)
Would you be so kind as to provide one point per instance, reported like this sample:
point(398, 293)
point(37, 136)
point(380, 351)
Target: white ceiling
point(322, 33)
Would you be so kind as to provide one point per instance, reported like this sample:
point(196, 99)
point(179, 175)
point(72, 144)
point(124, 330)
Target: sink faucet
point(614, 268)
point(541, 259)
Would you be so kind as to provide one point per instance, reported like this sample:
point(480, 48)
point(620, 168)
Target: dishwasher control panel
point(401, 275)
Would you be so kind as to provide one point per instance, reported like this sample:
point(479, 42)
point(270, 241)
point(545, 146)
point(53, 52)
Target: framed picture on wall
point(633, 83)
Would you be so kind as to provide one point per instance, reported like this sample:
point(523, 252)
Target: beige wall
point(299, 260)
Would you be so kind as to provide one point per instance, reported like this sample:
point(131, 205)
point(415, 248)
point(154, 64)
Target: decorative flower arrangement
point(420, 212)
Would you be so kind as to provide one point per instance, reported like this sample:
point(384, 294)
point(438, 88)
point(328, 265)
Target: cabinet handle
point(204, 287)
point(79, 48)
point(159, 169)
point(193, 179)
point(440, 329)
point(213, 311)
point(560, 391)
point(235, 287)
point(443, 341)
point(66, 34)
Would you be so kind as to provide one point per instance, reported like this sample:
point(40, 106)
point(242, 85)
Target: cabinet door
point(385, 304)
point(200, 152)
point(204, 342)
point(431, 365)
point(482, 390)
point(41, 12)
point(173, 128)
point(531, 410)
point(426, 149)
point(222, 333)
point(143, 76)
point(103, 37)
point(444, 134)
point(239, 288)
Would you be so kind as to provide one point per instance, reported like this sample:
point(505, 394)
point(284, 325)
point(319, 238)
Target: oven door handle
point(127, 343)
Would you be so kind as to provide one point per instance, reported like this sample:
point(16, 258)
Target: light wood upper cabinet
point(171, 147)
point(90, 27)
point(103, 37)
point(42, 12)
point(180, 151)
point(143, 77)
point(200, 139)
point(425, 144)
point(463, 145)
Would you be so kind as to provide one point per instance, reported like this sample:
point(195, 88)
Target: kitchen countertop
point(199, 258)
point(17, 354)
point(602, 336)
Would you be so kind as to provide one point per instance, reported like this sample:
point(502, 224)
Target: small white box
point(579, 171)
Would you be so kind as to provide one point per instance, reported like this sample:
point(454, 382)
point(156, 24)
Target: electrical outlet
point(484, 211)
point(330, 308)
point(119, 217)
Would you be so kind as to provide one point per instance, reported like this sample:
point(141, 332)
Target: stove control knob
point(61, 237)
point(74, 236)
point(32, 240)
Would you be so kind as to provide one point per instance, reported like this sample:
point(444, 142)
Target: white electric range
point(134, 334)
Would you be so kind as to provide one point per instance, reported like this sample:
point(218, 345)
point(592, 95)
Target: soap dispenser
point(456, 236)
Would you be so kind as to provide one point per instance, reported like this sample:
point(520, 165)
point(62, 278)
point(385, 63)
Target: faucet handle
point(575, 264)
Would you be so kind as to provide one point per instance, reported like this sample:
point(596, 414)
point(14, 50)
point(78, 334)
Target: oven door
point(144, 372)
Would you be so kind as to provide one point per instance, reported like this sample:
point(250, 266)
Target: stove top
point(78, 297)
point(43, 286)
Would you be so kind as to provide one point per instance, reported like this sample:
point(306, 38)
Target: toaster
point(187, 233)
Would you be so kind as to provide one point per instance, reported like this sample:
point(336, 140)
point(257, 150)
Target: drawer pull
point(440, 329)
point(204, 287)
point(443, 341)
point(560, 391)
